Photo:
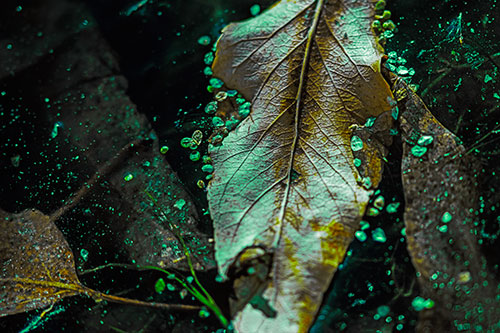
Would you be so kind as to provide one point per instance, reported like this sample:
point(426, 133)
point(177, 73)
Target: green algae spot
point(211, 108)
point(370, 121)
point(216, 83)
point(443, 228)
point(383, 310)
point(420, 303)
point(255, 10)
point(160, 286)
point(364, 225)
point(394, 111)
point(392, 207)
point(425, 140)
point(217, 122)
point(378, 235)
point(208, 71)
point(204, 313)
point(128, 177)
point(357, 162)
point(372, 211)
point(204, 40)
point(180, 203)
point(356, 143)
point(208, 58)
point(418, 151)
point(367, 183)
point(186, 142)
point(163, 150)
point(379, 202)
point(446, 217)
point(208, 168)
point(195, 156)
point(361, 236)
point(380, 5)
point(84, 254)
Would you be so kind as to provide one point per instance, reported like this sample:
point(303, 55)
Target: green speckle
point(128, 177)
point(180, 203)
point(370, 121)
point(163, 150)
point(378, 235)
point(195, 156)
point(170, 287)
point(380, 5)
point(216, 83)
point(232, 93)
point(379, 202)
point(403, 232)
point(361, 235)
point(392, 207)
point(186, 142)
point(190, 279)
point(364, 225)
point(383, 310)
point(84, 254)
point(255, 10)
point(367, 183)
point(418, 151)
point(204, 313)
point(372, 211)
point(204, 40)
point(160, 286)
point(420, 303)
point(217, 122)
point(208, 71)
point(395, 112)
point(208, 168)
point(446, 217)
point(443, 228)
point(211, 107)
point(393, 131)
point(357, 162)
point(487, 78)
point(425, 140)
point(209, 58)
point(356, 143)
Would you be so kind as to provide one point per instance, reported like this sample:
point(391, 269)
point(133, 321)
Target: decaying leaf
point(285, 184)
point(38, 268)
point(441, 192)
point(37, 264)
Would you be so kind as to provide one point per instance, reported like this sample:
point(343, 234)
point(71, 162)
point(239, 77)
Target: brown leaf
point(38, 267)
point(285, 184)
point(441, 192)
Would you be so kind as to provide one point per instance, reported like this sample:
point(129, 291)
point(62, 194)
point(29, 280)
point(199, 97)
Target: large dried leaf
point(285, 185)
point(441, 192)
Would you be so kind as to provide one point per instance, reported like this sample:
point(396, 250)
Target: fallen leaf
point(37, 264)
point(441, 192)
point(38, 268)
point(285, 184)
